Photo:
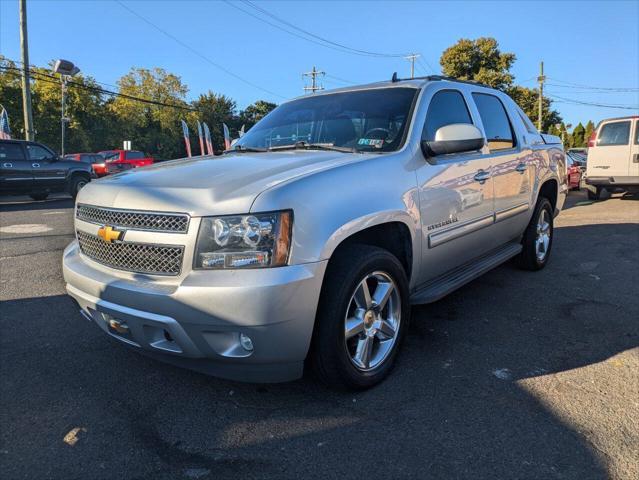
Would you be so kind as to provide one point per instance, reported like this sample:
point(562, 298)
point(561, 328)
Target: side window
point(530, 128)
point(11, 152)
point(133, 155)
point(493, 115)
point(85, 158)
point(616, 133)
point(446, 107)
point(36, 152)
point(637, 132)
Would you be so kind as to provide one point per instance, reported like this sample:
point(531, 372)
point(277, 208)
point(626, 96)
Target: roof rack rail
point(432, 78)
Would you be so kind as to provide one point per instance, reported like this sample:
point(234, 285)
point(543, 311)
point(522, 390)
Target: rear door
point(610, 156)
point(512, 168)
point(15, 169)
point(46, 168)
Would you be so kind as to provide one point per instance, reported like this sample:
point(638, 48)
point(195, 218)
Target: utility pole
point(541, 79)
point(63, 119)
point(314, 85)
point(29, 134)
point(411, 58)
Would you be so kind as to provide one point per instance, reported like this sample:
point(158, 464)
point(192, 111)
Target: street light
point(66, 69)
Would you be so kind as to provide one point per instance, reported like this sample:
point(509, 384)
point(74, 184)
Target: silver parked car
point(312, 237)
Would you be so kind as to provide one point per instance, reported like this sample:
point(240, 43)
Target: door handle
point(7, 165)
point(521, 168)
point(482, 176)
point(35, 165)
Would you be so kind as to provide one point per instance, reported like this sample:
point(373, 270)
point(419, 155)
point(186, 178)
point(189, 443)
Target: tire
point(341, 363)
point(76, 183)
point(537, 247)
point(595, 195)
point(39, 196)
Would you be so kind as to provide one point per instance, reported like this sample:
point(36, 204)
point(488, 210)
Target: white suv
point(613, 156)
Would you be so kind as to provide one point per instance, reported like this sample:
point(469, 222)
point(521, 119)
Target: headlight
point(244, 241)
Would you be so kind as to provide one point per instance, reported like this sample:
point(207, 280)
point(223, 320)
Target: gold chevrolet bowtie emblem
point(109, 234)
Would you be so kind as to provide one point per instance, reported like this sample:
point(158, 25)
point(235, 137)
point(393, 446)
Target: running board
point(443, 285)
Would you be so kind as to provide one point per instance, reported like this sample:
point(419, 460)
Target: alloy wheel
point(372, 321)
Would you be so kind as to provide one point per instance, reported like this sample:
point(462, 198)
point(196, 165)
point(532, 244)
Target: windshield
point(364, 120)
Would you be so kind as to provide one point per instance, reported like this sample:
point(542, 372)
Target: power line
point(322, 39)
point(424, 63)
point(343, 80)
point(589, 87)
point(195, 52)
point(592, 104)
point(53, 79)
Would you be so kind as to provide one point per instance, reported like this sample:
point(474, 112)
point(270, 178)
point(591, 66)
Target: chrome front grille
point(153, 221)
point(136, 257)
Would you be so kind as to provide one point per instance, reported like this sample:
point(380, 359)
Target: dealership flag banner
point(207, 138)
point(5, 131)
point(199, 136)
point(227, 137)
point(187, 142)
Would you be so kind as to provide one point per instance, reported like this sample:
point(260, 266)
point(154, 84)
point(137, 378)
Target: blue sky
point(584, 43)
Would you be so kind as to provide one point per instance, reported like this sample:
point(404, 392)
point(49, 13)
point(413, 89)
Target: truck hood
point(209, 185)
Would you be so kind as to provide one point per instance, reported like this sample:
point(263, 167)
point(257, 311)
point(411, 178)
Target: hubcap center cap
point(369, 319)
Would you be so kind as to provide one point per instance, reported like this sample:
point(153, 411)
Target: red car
point(575, 165)
point(96, 160)
point(121, 159)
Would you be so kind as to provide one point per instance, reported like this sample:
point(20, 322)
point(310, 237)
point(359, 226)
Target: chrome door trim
point(511, 211)
point(456, 231)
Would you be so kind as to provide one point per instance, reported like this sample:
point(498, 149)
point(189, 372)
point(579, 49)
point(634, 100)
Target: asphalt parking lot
point(517, 375)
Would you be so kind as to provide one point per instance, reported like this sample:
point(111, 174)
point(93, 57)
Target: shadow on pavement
point(451, 409)
point(17, 204)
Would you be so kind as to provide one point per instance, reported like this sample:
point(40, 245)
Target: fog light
point(246, 342)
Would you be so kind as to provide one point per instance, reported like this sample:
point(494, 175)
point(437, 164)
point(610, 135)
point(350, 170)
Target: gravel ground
point(517, 375)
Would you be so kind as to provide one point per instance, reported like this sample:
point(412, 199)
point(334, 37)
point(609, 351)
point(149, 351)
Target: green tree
point(528, 101)
point(255, 112)
point(482, 61)
point(578, 136)
point(216, 109)
point(590, 127)
point(479, 60)
point(152, 128)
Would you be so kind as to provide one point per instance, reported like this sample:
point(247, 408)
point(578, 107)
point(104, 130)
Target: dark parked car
point(34, 169)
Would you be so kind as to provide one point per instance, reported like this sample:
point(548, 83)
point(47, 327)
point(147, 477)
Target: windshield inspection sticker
point(371, 142)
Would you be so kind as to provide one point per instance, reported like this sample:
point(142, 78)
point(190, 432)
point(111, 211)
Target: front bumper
point(196, 323)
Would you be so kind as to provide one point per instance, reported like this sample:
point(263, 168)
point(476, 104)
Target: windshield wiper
point(242, 148)
point(314, 146)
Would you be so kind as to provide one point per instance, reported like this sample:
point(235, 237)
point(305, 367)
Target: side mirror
point(454, 138)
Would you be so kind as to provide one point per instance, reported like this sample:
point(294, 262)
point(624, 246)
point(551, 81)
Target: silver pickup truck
point(309, 241)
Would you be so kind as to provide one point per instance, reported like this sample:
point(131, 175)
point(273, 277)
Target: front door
point(15, 169)
point(456, 194)
point(48, 174)
point(513, 167)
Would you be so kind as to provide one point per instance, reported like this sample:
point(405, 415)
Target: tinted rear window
point(11, 151)
point(616, 133)
point(637, 132)
point(496, 123)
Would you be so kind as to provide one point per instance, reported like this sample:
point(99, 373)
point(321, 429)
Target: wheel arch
point(390, 232)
